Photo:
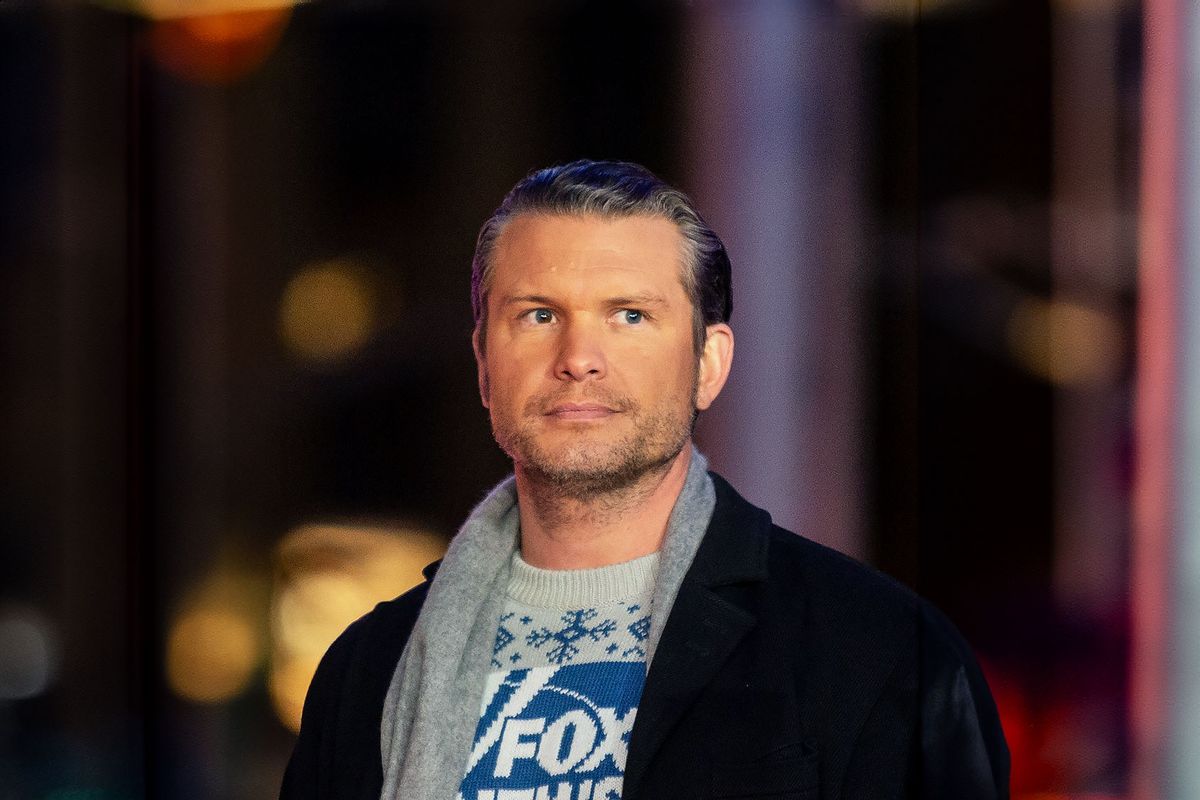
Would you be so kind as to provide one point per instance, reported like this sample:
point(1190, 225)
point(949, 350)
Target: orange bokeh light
point(329, 575)
point(218, 48)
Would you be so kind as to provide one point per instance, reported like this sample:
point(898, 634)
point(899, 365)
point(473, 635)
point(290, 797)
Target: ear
point(480, 367)
point(715, 362)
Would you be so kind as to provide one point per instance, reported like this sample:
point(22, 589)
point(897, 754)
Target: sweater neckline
point(575, 588)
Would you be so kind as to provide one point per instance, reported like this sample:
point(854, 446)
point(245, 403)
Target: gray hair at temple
point(614, 189)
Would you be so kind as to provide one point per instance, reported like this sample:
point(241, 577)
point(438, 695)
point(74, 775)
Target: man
point(614, 621)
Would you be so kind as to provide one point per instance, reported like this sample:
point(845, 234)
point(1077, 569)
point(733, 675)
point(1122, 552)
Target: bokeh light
point(328, 311)
point(1066, 343)
point(211, 654)
point(216, 642)
point(29, 654)
point(220, 47)
point(329, 575)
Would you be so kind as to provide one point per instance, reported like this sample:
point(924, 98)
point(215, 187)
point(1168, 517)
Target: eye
point(539, 316)
point(631, 316)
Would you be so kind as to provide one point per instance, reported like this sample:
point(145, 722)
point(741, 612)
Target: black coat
point(785, 671)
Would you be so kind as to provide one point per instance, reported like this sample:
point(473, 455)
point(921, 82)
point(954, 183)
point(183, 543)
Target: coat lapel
point(704, 625)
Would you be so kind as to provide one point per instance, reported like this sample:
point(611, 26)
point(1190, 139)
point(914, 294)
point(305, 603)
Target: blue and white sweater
point(568, 667)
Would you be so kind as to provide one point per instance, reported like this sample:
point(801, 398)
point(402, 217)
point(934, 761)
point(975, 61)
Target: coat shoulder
point(828, 576)
point(862, 616)
point(864, 596)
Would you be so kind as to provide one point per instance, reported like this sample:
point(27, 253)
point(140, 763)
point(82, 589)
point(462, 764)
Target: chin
point(578, 454)
point(589, 460)
point(589, 469)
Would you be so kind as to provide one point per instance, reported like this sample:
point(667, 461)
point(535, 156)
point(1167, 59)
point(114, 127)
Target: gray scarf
point(432, 705)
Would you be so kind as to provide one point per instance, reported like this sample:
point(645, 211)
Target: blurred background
point(239, 404)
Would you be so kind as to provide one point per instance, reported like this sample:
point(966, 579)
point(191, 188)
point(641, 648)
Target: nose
point(580, 355)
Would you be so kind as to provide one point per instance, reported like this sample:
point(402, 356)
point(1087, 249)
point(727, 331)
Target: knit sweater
point(568, 666)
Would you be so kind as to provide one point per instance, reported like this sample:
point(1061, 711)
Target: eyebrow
point(526, 298)
point(639, 299)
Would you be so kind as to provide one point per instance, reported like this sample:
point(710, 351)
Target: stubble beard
point(589, 470)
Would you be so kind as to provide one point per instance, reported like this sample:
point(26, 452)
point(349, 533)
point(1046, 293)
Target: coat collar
point(734, 549)
point(704, 625)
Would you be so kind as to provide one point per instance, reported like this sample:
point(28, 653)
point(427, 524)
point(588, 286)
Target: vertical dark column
point(1092, 274)
point(101, 313)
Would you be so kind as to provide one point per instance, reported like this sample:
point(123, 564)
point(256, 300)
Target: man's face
point(589, 372)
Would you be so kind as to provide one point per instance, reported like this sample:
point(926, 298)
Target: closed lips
point(580, 411)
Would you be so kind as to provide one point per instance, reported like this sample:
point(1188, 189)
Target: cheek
point(668, 368)
point(509, 379)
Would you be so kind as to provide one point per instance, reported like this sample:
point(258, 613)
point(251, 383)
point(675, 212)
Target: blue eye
point(541, 316)
point(632, 316)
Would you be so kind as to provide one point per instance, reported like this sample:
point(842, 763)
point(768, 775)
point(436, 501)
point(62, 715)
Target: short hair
point(614, 189)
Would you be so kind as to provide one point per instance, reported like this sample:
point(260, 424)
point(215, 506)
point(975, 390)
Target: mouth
point(580, 411)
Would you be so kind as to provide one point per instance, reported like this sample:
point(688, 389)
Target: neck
point(564, 532)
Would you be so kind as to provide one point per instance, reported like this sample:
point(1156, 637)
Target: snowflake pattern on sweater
point(560, 704)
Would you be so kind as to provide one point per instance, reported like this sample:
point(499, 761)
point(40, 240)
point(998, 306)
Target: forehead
point(588, 248)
